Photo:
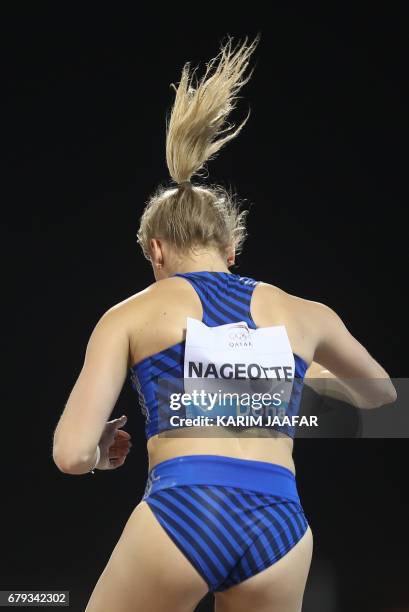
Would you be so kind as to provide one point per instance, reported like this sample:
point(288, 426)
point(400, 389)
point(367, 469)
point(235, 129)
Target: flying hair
point(192, 215)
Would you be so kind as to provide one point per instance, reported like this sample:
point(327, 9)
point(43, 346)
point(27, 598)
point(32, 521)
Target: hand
point(114, 444)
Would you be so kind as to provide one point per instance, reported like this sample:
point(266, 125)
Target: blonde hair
point(191, 216)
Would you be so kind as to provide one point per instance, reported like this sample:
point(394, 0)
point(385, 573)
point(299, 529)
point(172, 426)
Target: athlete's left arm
point(94, 394)
point(324, 382)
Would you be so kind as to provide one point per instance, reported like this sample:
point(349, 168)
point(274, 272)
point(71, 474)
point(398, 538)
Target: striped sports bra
point(225, 298)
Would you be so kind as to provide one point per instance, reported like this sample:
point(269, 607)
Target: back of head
point(188, 215)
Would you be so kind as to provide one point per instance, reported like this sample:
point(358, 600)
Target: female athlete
point(221, 511)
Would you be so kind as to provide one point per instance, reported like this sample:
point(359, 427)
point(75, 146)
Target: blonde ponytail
point(192, 215)
point(195, 130)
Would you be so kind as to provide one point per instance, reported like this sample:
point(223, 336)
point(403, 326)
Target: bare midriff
point(250, 445)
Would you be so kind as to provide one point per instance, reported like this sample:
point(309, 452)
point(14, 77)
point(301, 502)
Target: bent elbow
point(63, 467)
point(66, 463)
point(61, 462)
point(387, 396)
point(391, 395)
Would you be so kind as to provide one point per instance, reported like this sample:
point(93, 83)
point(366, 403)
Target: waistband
point(260, 476)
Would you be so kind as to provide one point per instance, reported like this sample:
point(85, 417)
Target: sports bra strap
point(225, 297)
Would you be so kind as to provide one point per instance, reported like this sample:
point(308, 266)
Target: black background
point(323, 163)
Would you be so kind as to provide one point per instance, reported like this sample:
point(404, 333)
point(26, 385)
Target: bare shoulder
point(168, 291)
point(298, 306)
point(151, 292)
point(272, 293)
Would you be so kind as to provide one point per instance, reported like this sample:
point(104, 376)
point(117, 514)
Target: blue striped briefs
point(231, 518)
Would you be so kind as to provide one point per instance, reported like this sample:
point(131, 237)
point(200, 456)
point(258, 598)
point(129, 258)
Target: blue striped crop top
point(225, 298)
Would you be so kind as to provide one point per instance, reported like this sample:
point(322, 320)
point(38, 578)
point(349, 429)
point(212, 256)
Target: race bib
point(229, 367)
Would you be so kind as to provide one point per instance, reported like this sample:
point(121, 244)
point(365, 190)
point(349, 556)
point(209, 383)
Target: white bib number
point(233, 358)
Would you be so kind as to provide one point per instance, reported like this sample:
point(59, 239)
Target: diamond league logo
point(239, 338)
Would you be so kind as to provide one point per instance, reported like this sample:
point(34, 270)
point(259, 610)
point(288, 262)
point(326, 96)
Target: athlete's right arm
point(347, 360)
